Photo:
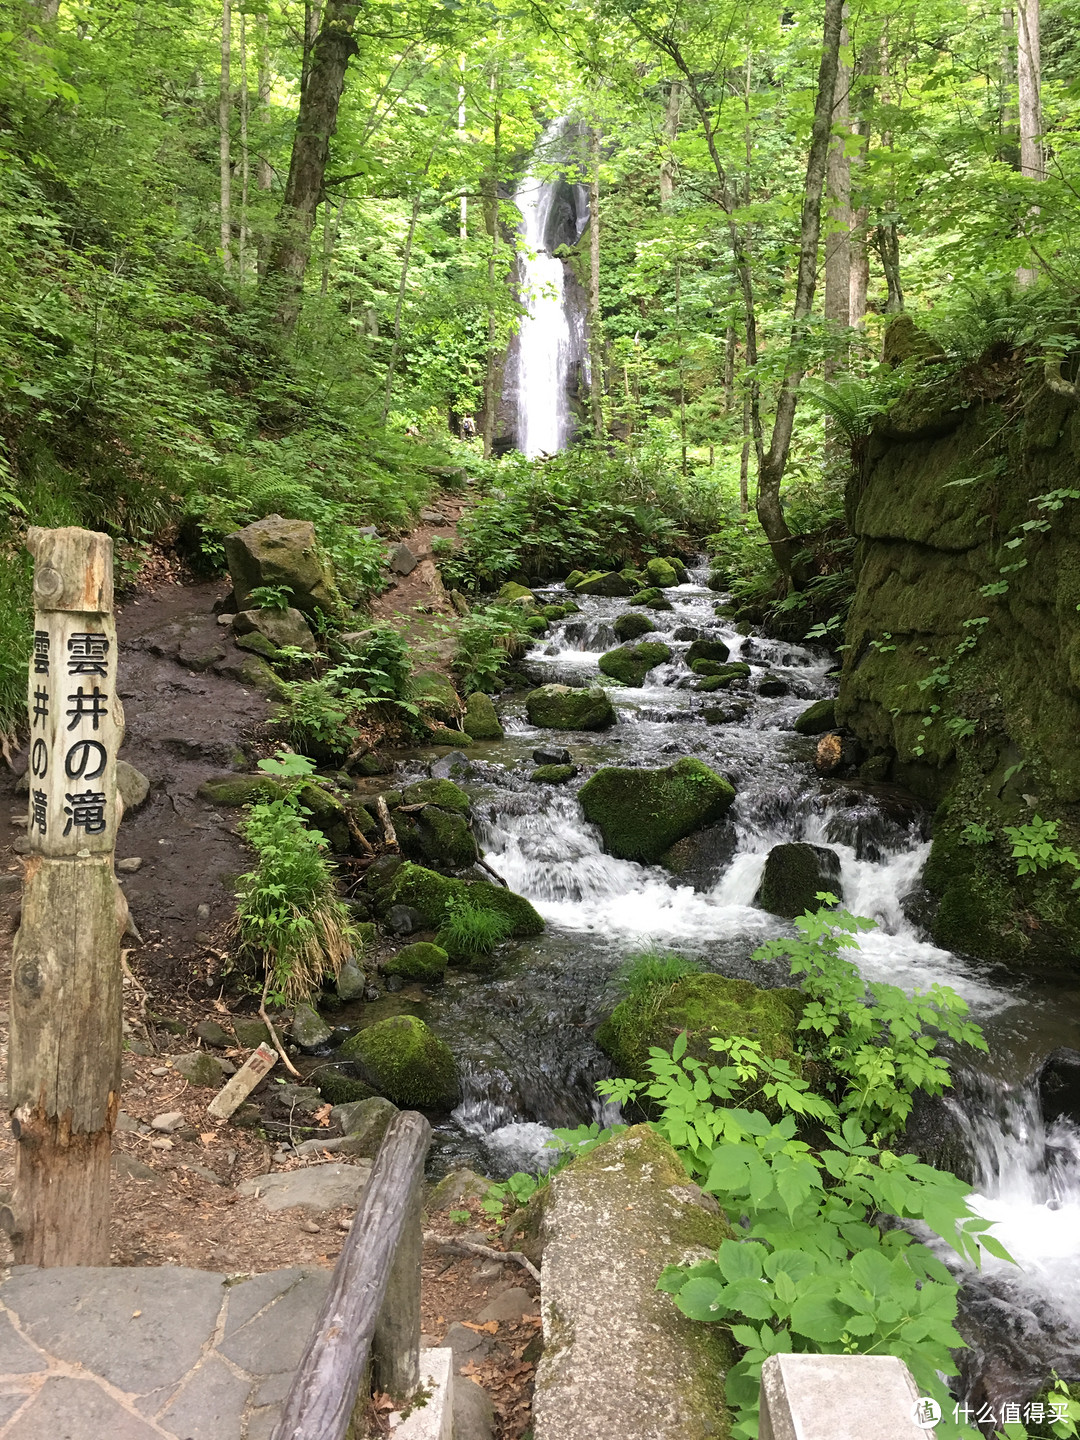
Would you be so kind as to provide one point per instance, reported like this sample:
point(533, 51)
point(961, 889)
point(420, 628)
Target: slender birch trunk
point(245, 153)
point(671, 131)
point(596, 338)
point(224, 144)
point(463, 202)
point(1028, 83)
point(491, 370)
point(837, 236)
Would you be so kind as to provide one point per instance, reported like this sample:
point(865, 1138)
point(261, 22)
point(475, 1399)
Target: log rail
point(373, 1305)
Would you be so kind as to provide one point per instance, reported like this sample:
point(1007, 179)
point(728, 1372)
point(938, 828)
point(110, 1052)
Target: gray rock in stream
point(1059, 1086)
point(793, 875)
point(309, 1030)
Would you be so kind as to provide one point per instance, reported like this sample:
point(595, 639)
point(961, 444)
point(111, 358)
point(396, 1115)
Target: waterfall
point(550, 341)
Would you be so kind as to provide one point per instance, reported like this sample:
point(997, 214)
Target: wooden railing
point(373, 1304)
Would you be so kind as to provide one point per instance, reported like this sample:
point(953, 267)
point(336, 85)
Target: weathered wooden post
point(65, 1044)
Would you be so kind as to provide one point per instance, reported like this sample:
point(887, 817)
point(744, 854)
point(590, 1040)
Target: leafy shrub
point(314, 713)
point(1035, 847)
point(289, 917)
point(469, 930)
point(487, 640)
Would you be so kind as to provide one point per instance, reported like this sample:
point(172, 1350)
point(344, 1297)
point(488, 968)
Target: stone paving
point(150, 1354)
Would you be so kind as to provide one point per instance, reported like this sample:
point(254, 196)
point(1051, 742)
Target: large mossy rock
point(632, 626)
point(818, 718)
point(405, 1061)
point(705, 1006)
point(558, 707)
point(513, 594)
point(428, 893)
point(443, 793)
point(652, 597)
point(436, 837)
point(436, 697)
point(793, 875)
point(715, 676)
point(709, 650)
point(280, 628)
point(632, 663)
point(326, 812)
point(604, 582)
point(422, 961)
point(641, 813)
point(280, 552)
point(620, 1361)
point(481, 720)
point(661, 574)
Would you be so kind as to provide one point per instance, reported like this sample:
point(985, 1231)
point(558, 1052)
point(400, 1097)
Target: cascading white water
point(548, 341)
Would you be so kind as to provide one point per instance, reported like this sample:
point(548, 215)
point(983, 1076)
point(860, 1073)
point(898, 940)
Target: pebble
point(161, 1142)
point(159, 1070)
point(170, 1120)
point(203, 912)
point(344, 1225)
point(19, 820)
point(130, 865)
point(225, 619)
point(309, 1227)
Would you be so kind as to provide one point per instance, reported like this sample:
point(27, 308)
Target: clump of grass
point(649, 979)
point(289, 916)
point(467, 929)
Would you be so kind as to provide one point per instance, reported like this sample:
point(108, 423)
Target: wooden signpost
point(65, 1045)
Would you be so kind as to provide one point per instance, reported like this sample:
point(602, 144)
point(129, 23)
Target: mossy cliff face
point(952, 474)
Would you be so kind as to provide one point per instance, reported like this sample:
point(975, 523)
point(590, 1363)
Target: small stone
point(250, 1033)
point(199, 1068)
point(169, 1121)
point(309, 1030)
point(131, 784)
point(126, 1123)
point(161, 1142)
point(309, 1227)
point(203, 912)
point(345, 1226)
point(551, 755)
point(210, 1032)
point(401, 560)
point(21, 845)
point(350, 981)
point(159, 1070)
point(130, 865)
point(509, 1307)
point(403, 920)
point(224, 620)
point(19, 821)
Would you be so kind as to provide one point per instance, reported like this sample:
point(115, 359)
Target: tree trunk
point(596, 337)
point(463, 203)
point(334, 46)
point(263, 173)
point(245, 154)
point(729, 368)
point(837, 237)
point(403, 280)
point(224, 119)
point(774, 463)
point(1028, 81)
point(491, 369)
point(671, 131)
point(887, 243)
point(860, 214)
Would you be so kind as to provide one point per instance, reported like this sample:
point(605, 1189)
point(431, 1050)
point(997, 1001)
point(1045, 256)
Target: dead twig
point(386, 823)
point(494, 873)
point(275, 1041)
point(467, 1247)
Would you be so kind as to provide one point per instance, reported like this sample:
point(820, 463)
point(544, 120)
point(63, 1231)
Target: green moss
point(258, 645)
point(340, 1089)
point(436, 697)
point(240, 789)
point(641, 813)
point(631, 664)
point(709, 650)
point(437, 837)
point(422, 961)
point(574, 578)
point(652, 597)
point(511, 592)
point(599, 582)
point(704, 1006)
point(817, 718)
point(632, 625)
point(793, 876)
point(363, 819)
point(429, 892)
point(406, 1062)
point(557, 707)
point(481, 720)
point(715, 670)
point(553, 774)
point(660, 574)
point(443, 793)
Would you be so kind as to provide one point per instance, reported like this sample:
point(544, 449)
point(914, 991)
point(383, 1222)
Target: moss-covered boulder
point(259, 645)
point(443, 793)
point(574, 578)
point(325, 811)
point(281, 628)
point(428, 893)
point(715, 676)
point(604, 582)
point(816, 719)
point(705, 1006)
point(437, 837)
point(700, 859)
point(641, 813)
point(557, 707)
point(630, 664)
point(652, 597)
point(793, 875)
point(621, 1362)
point(406, 1062)
point(632, 625)
point(682, 575)
point(480, 720)
point(707, 650)
point(436, 697)
point(340, 1089)
point(553, 774)
point(423, 961)
point(660, 574)
point(281, 553)
point(511, 592)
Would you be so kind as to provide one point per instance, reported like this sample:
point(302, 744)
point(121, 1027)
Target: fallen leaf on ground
point(491, 1328)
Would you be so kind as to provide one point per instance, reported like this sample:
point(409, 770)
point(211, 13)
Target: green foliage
point(824, 1274)
point(271, 597)
point(470, 929)
point(1035, 847)
point(992, 315)
point(315, 712)
point(324, 713)
point(488, 640)
point(880, 1042)
point(289, 917)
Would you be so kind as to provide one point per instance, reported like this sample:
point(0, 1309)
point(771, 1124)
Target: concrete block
point(435, 1420)
point(838, 1397)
